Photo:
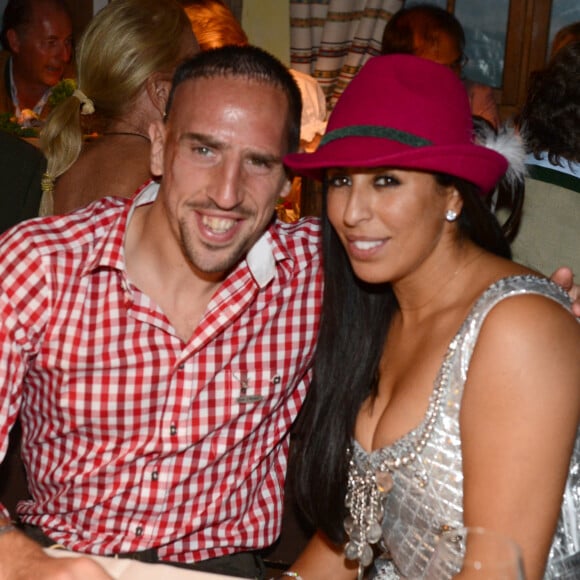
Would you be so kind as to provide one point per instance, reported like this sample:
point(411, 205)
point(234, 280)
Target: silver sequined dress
point(427, 495)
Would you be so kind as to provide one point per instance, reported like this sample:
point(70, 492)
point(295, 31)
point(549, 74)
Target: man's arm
point(565, 278)
point(23, 559)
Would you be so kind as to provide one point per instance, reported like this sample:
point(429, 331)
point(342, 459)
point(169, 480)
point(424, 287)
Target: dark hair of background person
point(550, 116)
point(565, 36)
point(246, 62)
point(213, 24)
point(18, 13)
point(423, 21)
point(354, 324)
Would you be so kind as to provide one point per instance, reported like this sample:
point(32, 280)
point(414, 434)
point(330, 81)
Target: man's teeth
point(218, 225)
point(366, 245)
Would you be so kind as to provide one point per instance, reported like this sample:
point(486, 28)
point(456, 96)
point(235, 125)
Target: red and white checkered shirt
point(133, 439)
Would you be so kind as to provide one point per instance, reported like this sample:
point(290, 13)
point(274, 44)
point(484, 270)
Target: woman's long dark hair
point(355, 321)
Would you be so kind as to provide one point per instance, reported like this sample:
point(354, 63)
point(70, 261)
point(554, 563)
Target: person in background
point(125, 61)
point(549, 122)
point(433, 33)
point(214, 24)
point(141, 340)
point(564, 36)
point(38, 41)
point(438, 357)
point(21, 168)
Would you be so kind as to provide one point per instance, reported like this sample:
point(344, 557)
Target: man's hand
point(565, 278)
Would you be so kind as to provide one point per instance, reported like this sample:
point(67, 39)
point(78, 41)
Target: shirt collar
point(569, 167)
point(16, 102)
point(109, 251)
point(261, 259)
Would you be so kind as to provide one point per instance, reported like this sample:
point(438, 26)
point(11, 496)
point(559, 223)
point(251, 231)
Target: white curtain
point(332, 39)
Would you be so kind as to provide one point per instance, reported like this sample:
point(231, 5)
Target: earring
point(451, 215)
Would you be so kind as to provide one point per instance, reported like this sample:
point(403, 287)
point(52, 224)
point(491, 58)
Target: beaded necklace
point(367, 487)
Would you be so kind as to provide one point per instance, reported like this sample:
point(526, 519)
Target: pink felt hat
point(406, 112)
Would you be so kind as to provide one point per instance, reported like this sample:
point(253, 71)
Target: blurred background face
point(43, 48)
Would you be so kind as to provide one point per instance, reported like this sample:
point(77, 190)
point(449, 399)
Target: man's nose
point(62, 51)
point(228, 190)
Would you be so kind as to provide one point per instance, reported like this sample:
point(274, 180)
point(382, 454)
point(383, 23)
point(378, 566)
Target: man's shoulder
point(55, 235)
point(301, 237)
point(307, 228)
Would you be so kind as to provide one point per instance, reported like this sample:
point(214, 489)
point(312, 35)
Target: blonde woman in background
point(125, 62)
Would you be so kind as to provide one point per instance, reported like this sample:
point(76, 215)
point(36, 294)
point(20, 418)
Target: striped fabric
point(332, 39)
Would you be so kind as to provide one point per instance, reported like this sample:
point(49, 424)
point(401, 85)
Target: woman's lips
point(365, 248)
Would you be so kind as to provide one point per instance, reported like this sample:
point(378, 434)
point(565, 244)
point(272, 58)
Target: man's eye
point(259, 162)
point(202, 150)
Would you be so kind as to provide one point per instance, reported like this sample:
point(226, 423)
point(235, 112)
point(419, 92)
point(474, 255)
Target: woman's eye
point(386, 181)
point(338, 180)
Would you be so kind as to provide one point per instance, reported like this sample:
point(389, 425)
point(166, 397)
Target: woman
point(125, 62)
point(438, 402)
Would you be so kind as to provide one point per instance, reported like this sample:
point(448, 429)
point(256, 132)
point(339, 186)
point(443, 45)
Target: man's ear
point(157, 134)
point(158, 86)
point(13, 40)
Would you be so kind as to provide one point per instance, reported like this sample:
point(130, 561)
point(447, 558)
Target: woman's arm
point(519, 421)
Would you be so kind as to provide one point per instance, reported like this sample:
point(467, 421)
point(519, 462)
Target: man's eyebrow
point(266, 158)
point(209, 141)
point(203, 139)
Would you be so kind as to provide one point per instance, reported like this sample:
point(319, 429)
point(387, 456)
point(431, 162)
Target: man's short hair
point(246, 62)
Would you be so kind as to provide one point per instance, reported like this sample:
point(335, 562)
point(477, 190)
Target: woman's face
point(390, 221)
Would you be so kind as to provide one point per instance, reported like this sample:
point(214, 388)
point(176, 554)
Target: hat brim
point(477, 164)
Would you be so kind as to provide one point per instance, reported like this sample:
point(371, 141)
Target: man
point(435, 34)
point(159, 349)
point(21, 168)
point(37, 36)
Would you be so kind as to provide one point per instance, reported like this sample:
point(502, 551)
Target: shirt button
point(155, 476)
point(181, 366)
point(139, 531)
point(276, 380)
point(173, 430)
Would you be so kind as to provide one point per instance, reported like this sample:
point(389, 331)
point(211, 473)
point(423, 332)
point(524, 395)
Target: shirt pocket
point(252, 390)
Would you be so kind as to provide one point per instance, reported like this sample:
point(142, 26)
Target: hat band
point(376, 131)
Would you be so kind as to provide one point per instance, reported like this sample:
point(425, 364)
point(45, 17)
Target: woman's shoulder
point(525, 309)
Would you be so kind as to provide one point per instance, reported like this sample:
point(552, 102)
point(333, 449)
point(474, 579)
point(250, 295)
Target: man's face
point(42, 48)
point(220, 154)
